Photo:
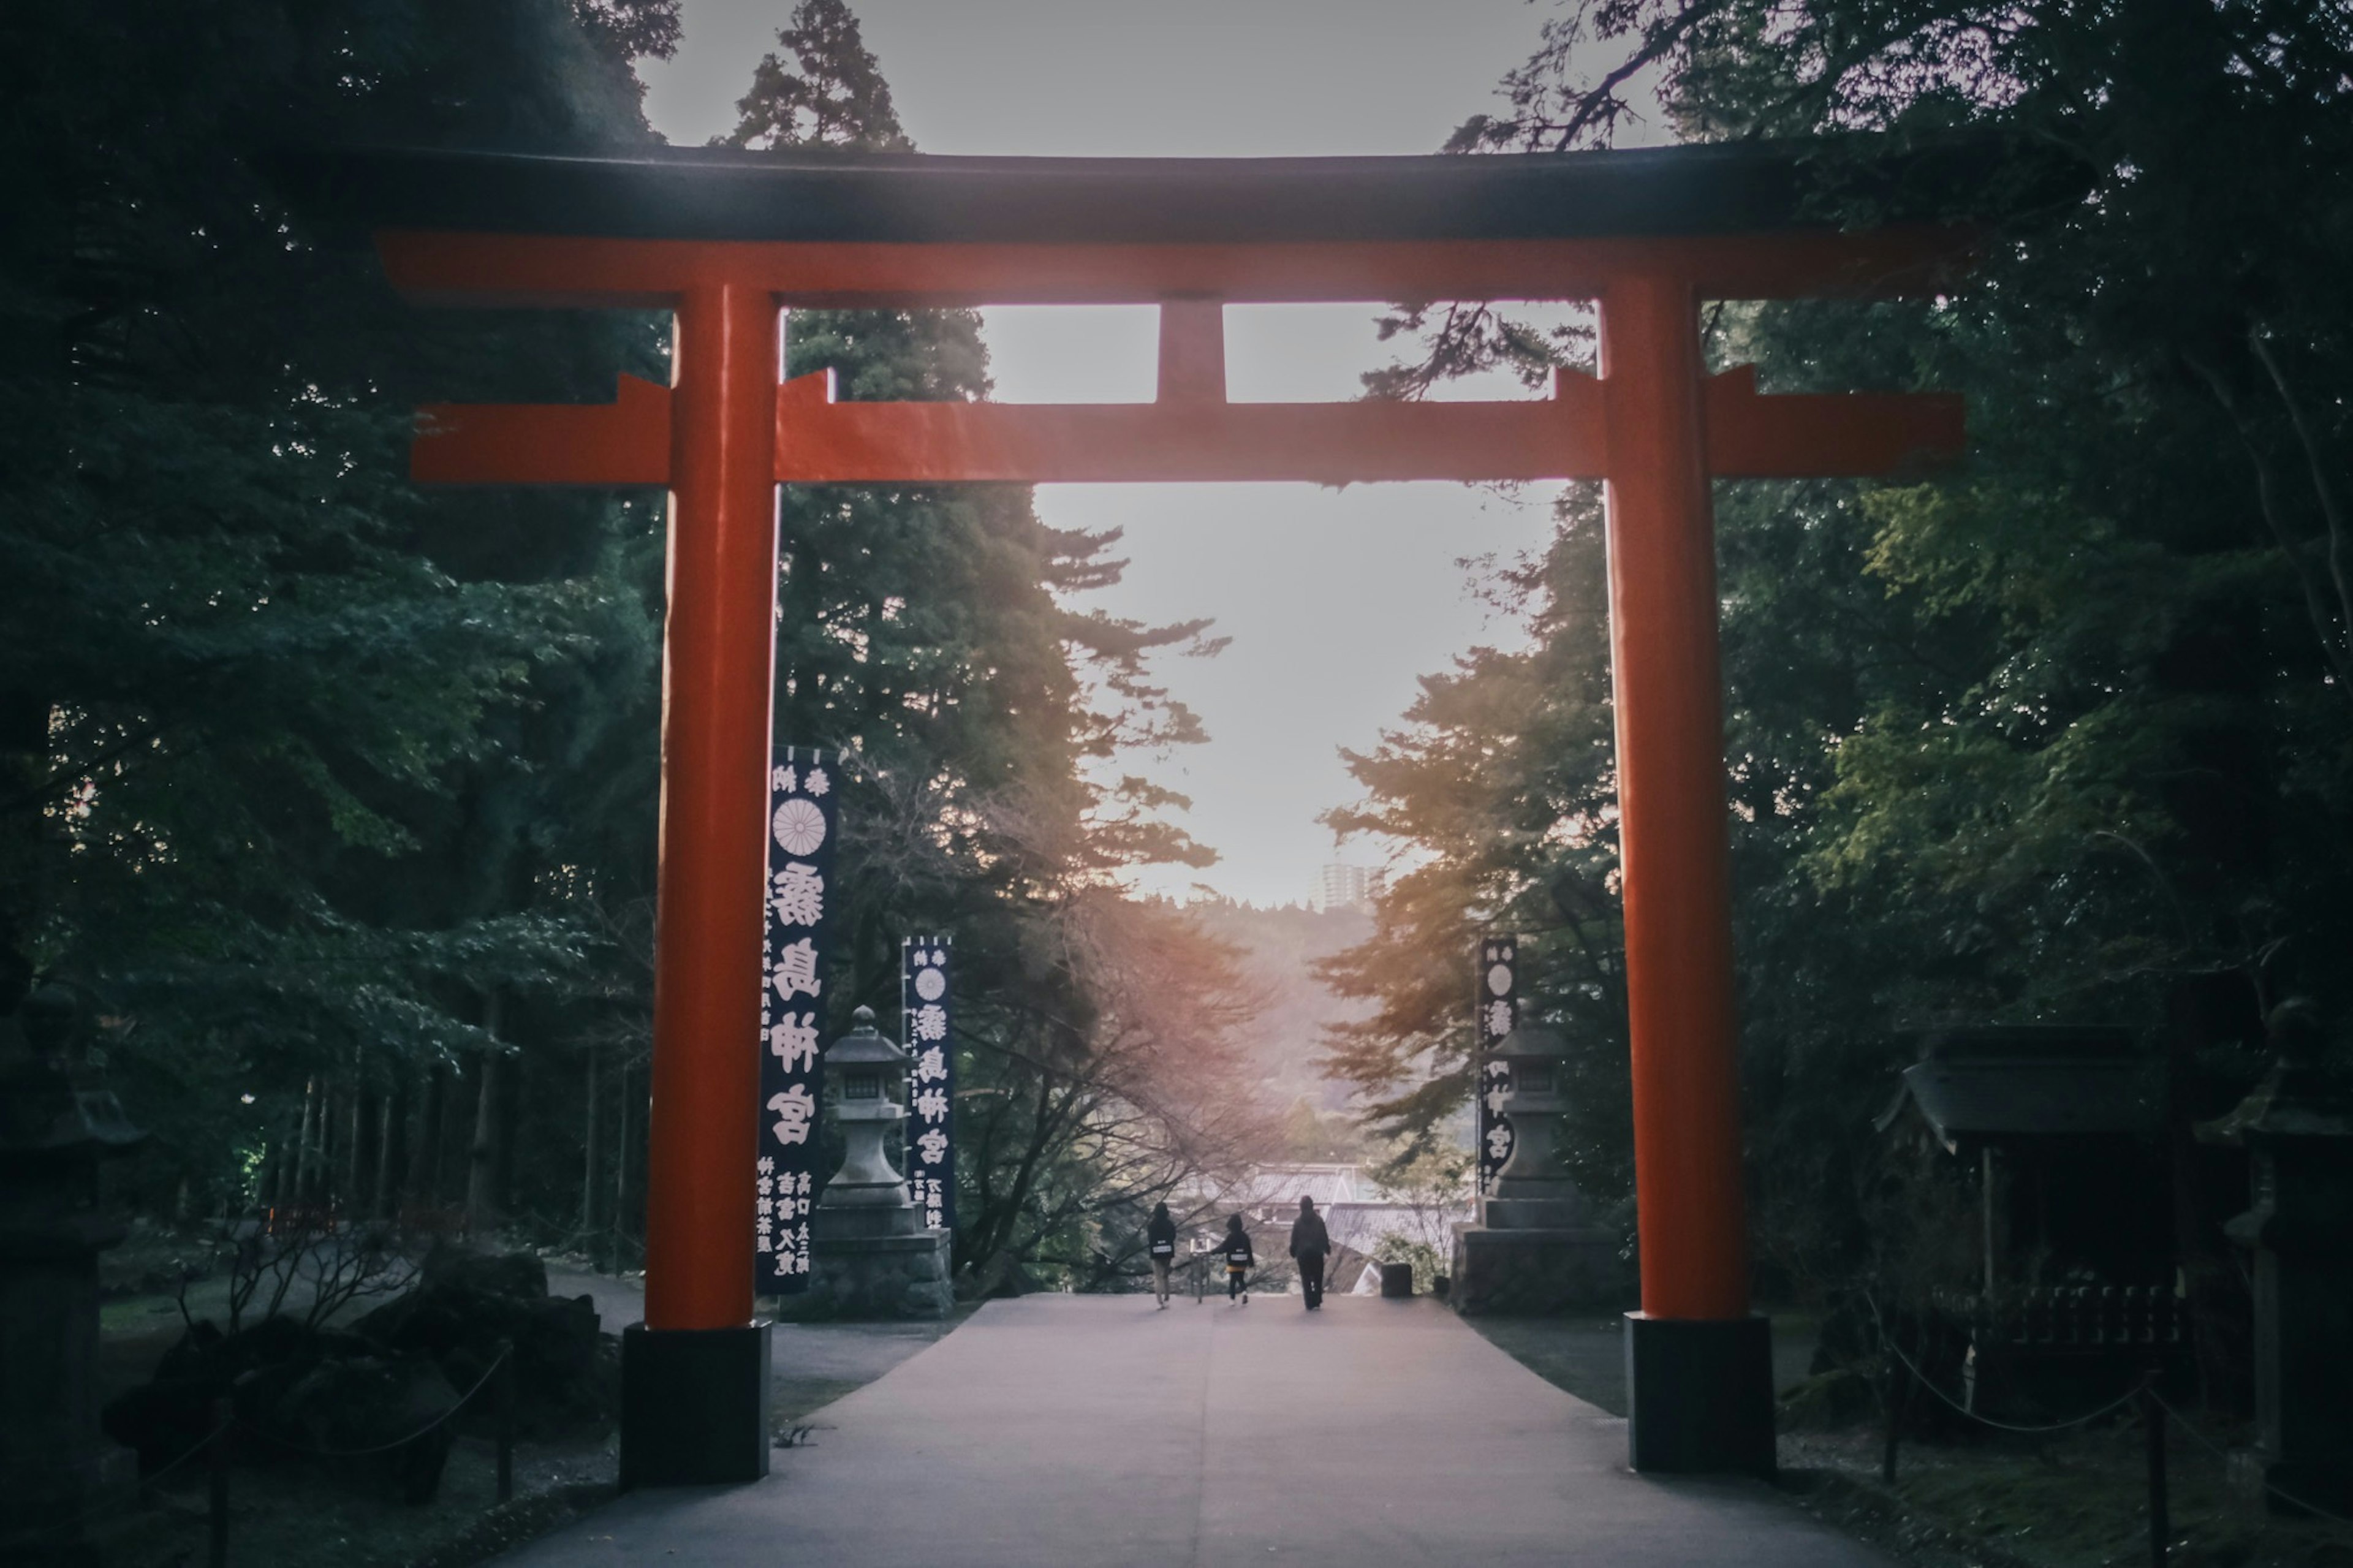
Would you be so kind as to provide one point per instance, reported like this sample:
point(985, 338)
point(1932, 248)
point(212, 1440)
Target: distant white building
point(1357, 1212)
point(1338, 887)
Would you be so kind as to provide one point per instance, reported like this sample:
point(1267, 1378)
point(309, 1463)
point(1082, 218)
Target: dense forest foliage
point(2064, 733)
point(328, 811)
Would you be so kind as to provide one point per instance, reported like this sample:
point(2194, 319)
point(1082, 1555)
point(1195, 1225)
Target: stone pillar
point(58, 1473)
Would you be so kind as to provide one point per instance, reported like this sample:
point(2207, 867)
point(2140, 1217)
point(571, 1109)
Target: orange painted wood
point(822, 442)
point(718, 659)
point(624, 442)
point(1192, 350)
point(1794, 435)
point(1690, 1211)
point(1188, 437)
point(1653, 427)
point(541, 269)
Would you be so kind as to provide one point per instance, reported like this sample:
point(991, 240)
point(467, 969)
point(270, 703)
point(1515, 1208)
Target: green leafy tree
point(261, 693)
point(2060, 734)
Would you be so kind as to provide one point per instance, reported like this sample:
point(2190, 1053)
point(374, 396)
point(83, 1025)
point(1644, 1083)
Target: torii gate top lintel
point(823, 228)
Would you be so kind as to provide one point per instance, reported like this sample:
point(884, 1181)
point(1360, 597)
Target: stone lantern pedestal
point(2297, 1128)
point(1538, 1247)
point(870, 1254)
point(59, 1474)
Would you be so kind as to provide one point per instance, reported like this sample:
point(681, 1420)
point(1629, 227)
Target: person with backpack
point(1309, 1243)
point(1240, 1255)
point(1160, 1241)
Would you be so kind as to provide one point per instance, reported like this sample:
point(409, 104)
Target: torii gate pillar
point(1699, 1368)
point(727, 240)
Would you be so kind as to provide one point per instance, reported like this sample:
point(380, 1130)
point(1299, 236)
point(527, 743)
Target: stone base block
point(1699, 1396)
point(694, 1406)
point(1534, 1272)
point(885, 1277)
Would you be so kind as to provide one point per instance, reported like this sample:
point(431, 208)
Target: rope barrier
point(446, 1415)
point(2209, 1444)
point(201, 1447)
point(206, 1447)
point(1921, 1378)
point(2145, 1390)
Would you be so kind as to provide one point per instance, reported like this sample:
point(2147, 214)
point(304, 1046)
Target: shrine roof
point(824, 194)
point(1999, 1084)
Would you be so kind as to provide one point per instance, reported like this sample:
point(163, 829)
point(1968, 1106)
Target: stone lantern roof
point(865, 1046)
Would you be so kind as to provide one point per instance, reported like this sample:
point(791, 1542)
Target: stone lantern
point(55, 1125)
point(1539, 1246)
point(1530, 1192)
point(2297, 1128)
point(870, 1254)
point(867, 1196)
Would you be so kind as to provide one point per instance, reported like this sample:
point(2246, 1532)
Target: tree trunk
point(302, 1139)
point(515, 1088)
point(457, 1135)
point(481, 1169)
point(589, 1149)
point(620, 1163)
point(387, 1120)
point(351, 1141)
point(424, 1151)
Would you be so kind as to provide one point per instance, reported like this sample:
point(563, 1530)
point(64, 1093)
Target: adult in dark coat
point(1309, 1244)
point(1160, 1241)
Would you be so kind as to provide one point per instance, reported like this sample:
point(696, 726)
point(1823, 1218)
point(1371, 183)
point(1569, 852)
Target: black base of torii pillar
point(1699, 1396)
point(694, 1406)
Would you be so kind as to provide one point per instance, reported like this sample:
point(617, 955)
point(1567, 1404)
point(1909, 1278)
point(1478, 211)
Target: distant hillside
point(1279, 945)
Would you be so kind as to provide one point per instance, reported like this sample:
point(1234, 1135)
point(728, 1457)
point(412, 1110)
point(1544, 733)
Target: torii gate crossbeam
point(729, 242)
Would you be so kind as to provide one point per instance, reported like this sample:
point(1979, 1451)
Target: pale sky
point(1335, 600)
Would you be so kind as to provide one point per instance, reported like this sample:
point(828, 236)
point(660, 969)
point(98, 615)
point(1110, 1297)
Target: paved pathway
point(1077, 1429)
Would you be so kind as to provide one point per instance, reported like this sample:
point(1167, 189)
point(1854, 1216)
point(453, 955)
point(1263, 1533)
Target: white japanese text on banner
point(803, 819)
point(1499, 1013)
point(926, 1003)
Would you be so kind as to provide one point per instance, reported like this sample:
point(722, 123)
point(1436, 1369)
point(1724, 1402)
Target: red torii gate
point(729, 241)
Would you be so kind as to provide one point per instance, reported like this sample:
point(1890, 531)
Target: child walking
point(1240, 1255)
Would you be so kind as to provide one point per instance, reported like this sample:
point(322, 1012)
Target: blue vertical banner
point(804, 820)
point(926, 1010)
point(1499, 1013)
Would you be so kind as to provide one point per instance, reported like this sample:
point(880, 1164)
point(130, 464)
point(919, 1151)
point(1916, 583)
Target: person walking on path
point(1309, 1242)
point(1240, 1255)
point(1160, 1241)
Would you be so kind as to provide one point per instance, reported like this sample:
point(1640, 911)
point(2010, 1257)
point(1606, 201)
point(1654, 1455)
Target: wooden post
point(224, 1413)
point(1675, 845)
point(1698, 1366)
point(694, 1375)
point(719, 650)
point(503, 1396)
